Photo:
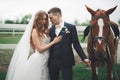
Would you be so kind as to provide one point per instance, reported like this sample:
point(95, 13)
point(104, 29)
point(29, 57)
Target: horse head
point(100, 31)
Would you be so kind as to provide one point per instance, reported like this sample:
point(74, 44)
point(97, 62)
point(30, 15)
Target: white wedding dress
point(25, 67)
point(36, 68)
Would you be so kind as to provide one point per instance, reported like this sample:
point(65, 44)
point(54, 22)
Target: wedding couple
point(42, 52)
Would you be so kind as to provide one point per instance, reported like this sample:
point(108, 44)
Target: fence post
point(13, 33)
point(118, 53)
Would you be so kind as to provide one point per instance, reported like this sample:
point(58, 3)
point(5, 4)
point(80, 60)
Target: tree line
point(25, 20)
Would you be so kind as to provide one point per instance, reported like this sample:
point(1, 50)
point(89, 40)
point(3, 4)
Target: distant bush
point(9, 21)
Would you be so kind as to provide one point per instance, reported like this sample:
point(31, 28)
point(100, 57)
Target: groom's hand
point(87, 62)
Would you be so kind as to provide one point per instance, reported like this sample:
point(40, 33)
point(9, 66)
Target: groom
point(61, 55)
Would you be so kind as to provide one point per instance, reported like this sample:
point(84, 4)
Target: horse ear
point(109, 11)
point(90, 10)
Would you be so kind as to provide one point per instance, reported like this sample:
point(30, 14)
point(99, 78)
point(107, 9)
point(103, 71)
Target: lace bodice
point(45, 40)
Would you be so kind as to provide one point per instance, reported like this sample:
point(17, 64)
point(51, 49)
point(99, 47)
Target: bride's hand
point(57, 39)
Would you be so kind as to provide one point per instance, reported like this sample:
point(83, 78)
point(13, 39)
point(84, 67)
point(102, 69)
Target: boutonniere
point(65, 30)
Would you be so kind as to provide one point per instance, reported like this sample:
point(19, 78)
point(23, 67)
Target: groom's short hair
point(55, 10)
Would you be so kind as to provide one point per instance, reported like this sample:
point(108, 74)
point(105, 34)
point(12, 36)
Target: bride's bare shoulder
point(34, 32)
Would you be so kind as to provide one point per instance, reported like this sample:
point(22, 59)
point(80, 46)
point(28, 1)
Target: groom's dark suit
point(61, 54)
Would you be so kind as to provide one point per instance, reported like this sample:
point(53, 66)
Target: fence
point(118, 53)
point(19, 29)
point(12, 28)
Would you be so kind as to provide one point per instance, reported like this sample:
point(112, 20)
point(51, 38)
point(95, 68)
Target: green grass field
point(10, 39)
point(81, 73)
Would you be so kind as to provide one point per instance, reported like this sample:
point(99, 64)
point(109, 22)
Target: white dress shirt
point(58, 28)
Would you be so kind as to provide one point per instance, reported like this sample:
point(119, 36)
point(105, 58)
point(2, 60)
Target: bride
point(30, 58)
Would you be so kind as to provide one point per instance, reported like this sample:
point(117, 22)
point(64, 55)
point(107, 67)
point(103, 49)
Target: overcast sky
point(72, 9)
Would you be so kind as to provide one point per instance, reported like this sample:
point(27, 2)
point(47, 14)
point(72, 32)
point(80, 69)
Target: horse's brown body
point(101, 48)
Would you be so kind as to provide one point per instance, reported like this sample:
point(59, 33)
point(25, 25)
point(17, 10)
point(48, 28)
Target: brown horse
point(103, 36)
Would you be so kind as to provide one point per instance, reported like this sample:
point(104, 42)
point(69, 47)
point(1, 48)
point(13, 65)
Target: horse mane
point(85, 32)
point(115, 29)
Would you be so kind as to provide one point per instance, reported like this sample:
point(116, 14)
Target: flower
point(65, 30)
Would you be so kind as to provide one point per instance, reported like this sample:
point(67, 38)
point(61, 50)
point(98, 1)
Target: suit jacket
point(61, 54)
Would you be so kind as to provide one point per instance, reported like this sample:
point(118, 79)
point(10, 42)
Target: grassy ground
point(10, 39)
point(5, 56)
point(80, 71)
